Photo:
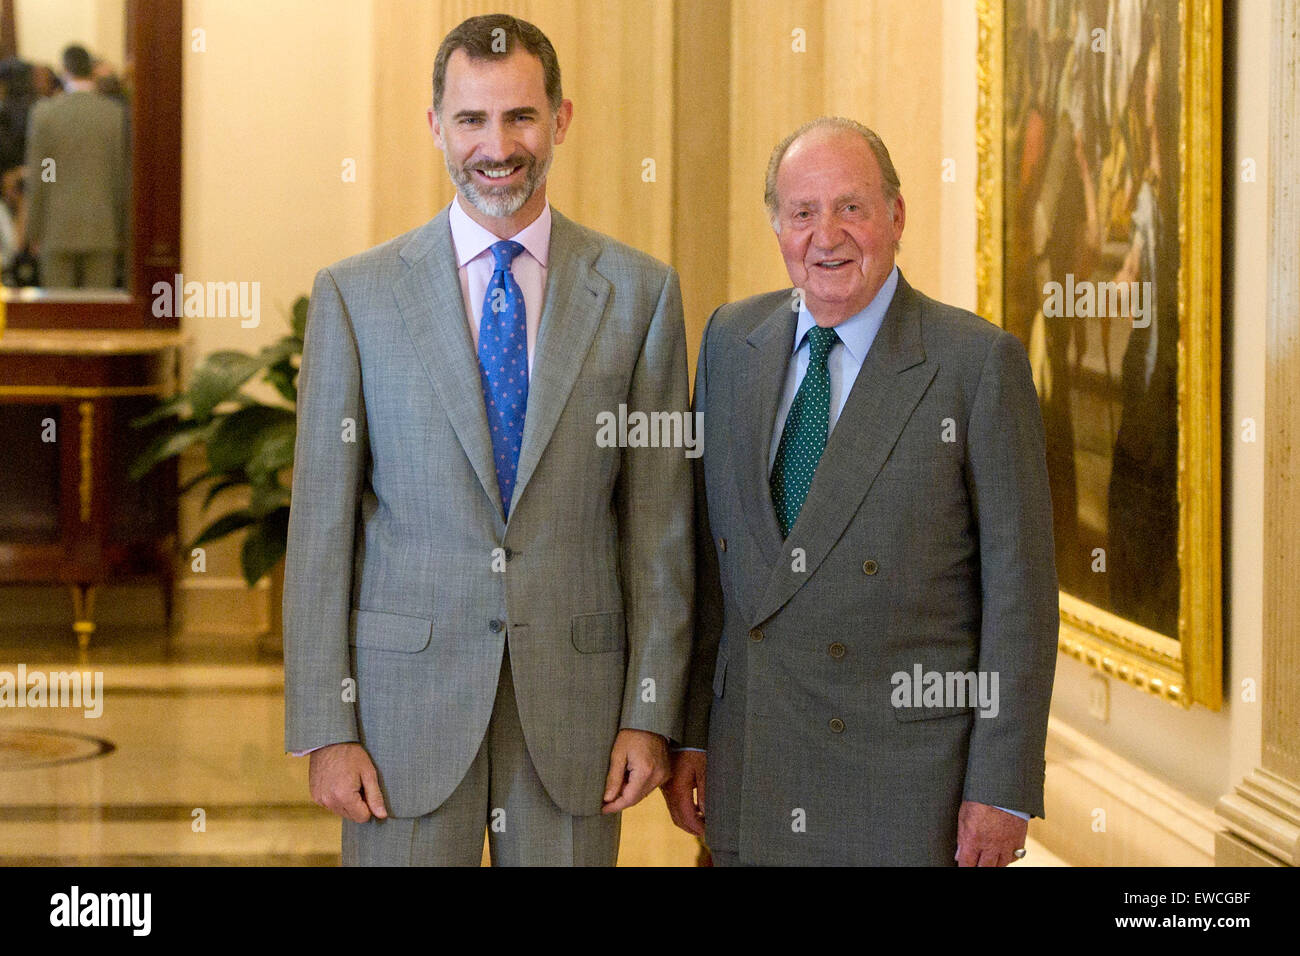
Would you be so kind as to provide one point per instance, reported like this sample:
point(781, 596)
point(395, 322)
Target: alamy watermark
point(637, 429)
point(1098, 300)
point(922, 688)
point(83, 689)
point(208, 300)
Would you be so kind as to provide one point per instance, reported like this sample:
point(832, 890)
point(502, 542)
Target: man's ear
point(900, 217)
point(435, 125)
point(563, 117)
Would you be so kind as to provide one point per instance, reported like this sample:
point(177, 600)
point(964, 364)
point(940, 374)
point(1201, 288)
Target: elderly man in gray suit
point(487, 611)
point(876, 595)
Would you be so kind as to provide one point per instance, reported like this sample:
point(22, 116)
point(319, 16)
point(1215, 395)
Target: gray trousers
point(502, 793)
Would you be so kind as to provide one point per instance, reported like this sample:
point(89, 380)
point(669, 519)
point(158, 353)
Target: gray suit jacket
point(394, 532)
point(84, 209)
point(910, 550)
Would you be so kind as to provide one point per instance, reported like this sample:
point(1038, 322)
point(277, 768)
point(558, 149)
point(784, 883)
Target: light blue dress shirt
point(844, 361)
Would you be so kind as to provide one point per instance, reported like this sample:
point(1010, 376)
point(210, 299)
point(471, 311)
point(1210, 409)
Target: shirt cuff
point(1014, 813)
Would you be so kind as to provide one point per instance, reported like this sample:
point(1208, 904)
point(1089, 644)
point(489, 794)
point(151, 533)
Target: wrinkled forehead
point(826, 165)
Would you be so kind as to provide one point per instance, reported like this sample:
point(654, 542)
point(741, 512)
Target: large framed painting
point(1098, 206)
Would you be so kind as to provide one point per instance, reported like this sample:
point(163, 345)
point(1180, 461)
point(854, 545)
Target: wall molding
point(1146, 821)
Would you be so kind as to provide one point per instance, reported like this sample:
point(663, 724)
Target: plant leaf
point(223, 526)
point(265, 545)
point(281, 376)
point(266, 498)
point(195, 481)
point(217, 378)
point(238, 436)
point(300, 317)
point(221, 486)
point(273, 450)
point(176, 405)
point(223, 373)
point(166, 445)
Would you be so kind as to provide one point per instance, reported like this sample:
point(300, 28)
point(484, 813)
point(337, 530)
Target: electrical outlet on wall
point(1099, 697)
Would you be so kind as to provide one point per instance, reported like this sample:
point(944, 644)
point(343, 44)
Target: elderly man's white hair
point(889, 176)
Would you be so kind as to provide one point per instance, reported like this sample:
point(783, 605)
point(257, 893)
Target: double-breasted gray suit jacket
point(397, 536)
point(925, 539)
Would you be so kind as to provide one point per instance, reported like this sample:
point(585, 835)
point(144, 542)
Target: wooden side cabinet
point(69, 513)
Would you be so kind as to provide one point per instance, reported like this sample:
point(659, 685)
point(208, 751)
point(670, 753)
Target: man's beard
point(499, 201)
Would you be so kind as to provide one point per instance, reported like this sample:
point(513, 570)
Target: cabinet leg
point(83, 611)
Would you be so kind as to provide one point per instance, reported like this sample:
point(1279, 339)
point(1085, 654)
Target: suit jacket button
point(722, 544)
point(837, 725)
point(837, 650)
point(495, 626)
point(756, 635)
point(870, 567)
point(509, 554)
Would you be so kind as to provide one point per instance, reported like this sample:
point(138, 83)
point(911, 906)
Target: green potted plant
point(247, 443)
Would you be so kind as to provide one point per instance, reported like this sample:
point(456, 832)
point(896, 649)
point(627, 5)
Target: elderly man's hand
point(344, 781)
point(684, 790)
point(987, 836)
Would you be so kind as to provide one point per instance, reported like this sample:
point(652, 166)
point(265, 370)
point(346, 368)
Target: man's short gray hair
point(889, 177)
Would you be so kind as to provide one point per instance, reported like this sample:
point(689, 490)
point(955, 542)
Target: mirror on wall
point(65, 146)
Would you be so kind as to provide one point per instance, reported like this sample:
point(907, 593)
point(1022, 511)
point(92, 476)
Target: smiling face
point(496, 131)
point(835, 227)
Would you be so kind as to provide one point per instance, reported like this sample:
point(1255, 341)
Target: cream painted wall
point(274, 105)
point(45, 27)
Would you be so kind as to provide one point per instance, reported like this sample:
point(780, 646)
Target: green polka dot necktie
point(806, 428)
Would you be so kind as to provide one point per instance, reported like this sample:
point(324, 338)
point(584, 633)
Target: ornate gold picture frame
point(1094, 138)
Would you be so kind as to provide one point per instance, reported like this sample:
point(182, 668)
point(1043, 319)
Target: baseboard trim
point(1103, 810)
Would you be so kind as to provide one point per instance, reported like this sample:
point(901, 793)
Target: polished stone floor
point(185, 765)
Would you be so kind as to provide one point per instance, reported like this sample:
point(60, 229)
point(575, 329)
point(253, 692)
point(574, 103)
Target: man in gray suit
point(487, 611)
point(77, 181)
point(876, 595)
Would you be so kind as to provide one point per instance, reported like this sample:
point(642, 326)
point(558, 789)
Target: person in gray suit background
point(77, 181)
point(876, 603)
point(487, 612)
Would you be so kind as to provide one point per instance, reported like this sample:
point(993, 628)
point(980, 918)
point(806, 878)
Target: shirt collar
point(471, 240)
point(857, 332)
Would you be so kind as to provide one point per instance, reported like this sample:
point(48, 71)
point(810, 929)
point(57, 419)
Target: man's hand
point(987, 836)
point(344, 781)
point(684, 790)
point(637, 764)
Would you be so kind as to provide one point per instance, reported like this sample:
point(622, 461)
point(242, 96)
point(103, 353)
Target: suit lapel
point(759, 386)
point(433, 309)
point(574, 303)
point(890, 384)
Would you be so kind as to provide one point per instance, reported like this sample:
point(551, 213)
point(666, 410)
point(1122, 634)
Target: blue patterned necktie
point(807, 426)
point(503, 366)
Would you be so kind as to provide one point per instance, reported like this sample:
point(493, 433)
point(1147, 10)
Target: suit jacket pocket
point(598, 633)
point(952, 671)
point(929, 713)
point(384, 631)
